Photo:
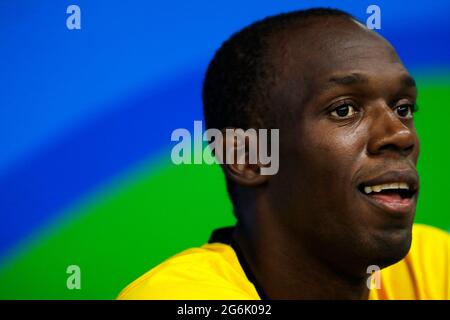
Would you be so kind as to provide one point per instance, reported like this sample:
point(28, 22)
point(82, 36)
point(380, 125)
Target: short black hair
point(237, 81)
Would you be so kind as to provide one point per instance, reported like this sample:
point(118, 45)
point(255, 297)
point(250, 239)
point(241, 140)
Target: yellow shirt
point(213, 272)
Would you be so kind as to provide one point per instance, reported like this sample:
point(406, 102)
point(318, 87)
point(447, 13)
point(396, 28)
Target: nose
point(390, 134)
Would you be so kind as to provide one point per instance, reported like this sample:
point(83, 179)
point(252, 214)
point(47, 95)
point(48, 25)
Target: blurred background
point(86, 117)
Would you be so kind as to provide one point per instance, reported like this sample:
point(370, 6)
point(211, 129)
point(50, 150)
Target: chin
point(390, 246)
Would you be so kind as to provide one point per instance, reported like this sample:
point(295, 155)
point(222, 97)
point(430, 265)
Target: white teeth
point(394, 185)
point(367, 190)
point(386, 186)
point(377, 188)
point(403, 185)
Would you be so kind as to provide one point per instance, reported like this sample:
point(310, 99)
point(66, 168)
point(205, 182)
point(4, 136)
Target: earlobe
point(241, 163)
point(245, 174)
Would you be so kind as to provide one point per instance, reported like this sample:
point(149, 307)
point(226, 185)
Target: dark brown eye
point(404, 111)
point(344, 111)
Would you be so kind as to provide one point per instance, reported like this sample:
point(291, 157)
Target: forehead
point(307, 56)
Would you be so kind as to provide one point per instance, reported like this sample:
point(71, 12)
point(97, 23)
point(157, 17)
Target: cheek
point(334, 152)
point(317, 165)
point(330, 158)
point(333, 162)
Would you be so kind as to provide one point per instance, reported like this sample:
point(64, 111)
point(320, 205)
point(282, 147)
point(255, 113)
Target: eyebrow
point(408, 81)
point(353, 78)
point(356, 78)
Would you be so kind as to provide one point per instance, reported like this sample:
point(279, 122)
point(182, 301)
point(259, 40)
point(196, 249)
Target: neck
point(284, 269)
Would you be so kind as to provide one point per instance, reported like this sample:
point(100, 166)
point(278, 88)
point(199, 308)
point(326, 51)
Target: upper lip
point(409, 176)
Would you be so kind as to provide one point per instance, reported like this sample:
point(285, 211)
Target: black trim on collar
point(222, 235)
point(225, 235)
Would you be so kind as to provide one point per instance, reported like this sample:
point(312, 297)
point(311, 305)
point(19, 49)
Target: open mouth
point(394, 190)
point(396, 196)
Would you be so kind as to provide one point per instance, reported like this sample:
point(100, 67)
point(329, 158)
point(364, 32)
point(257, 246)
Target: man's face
point(347, 162)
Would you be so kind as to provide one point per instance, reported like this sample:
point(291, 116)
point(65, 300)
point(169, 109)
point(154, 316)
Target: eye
point(344, 111)
point(405, 110)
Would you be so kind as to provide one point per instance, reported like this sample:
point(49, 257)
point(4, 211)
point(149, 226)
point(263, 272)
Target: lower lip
point(392, 203)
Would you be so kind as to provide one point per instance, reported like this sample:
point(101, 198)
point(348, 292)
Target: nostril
point(399, 141)
point(388, 147)
point(409, 148)
point(396, 148)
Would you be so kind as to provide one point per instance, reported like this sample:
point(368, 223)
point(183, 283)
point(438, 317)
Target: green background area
point(142, 218)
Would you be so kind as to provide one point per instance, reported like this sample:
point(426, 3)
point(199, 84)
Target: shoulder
point(430, 249)
point(430, 241)
point(422, 230)
point(208, 272)
point(425, 272)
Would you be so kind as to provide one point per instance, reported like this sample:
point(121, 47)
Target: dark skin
point(308, 232)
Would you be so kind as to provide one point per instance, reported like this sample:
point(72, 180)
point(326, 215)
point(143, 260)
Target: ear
point(245, 174)
point(239, 165)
